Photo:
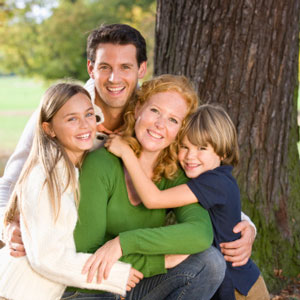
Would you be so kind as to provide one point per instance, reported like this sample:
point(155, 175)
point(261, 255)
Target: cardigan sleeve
point(49, 244)
point(15, 164)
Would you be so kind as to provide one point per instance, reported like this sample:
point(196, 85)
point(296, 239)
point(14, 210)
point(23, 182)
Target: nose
point(83, 123)
point(160, 122)
point(190, 154)
point(113, 76)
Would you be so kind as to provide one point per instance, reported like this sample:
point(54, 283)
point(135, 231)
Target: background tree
point(47, 38)
point(244, 55)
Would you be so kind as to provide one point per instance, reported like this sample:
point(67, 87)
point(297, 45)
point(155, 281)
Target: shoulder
point(100, 162)
point(179, 178)
point(100, 156)
point(219, 178)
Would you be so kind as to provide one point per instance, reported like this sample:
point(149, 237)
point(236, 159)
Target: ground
point(291, 292)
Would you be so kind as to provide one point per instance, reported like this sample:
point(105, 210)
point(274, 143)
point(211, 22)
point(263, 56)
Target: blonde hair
point(166, 164)
point(47, 151)
point(211, 124)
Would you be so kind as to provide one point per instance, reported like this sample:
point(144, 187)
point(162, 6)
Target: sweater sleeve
point(49, 244)
point(15, 164)
point(97, 180)
point(192, 234)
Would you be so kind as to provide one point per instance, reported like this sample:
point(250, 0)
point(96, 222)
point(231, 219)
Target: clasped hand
point(102, 260)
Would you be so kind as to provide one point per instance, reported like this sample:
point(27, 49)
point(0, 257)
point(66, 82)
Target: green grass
point(19, 97)
point(19, 93)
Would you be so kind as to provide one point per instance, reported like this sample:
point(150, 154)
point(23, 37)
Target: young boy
point(208, 151)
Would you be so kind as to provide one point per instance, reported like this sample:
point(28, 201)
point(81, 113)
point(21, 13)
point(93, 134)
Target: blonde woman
point(46, 196)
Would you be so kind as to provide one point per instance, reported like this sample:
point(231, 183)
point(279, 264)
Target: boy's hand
point(238, 252)
point(116, 145)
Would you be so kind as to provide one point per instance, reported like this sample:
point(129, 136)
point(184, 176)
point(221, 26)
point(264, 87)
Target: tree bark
point(244, 55)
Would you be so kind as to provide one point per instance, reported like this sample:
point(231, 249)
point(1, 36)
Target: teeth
point(155, 135)
point(84, 136)
point(116, 89)
point(192, 165)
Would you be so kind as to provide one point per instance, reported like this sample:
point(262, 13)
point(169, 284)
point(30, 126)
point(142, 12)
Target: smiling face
point(159, 120)
point(74, 126)
point(196, 160)
point(116, 73)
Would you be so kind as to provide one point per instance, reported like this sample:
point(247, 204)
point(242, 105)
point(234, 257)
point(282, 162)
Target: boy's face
point(116, 73)
point(196, 160)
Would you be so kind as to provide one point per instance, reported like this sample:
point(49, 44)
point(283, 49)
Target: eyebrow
point(75, 113)
point(172, 115)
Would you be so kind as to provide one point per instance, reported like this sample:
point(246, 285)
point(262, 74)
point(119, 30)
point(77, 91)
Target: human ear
point(48, 129)
point(142, 70)
point(90, 68)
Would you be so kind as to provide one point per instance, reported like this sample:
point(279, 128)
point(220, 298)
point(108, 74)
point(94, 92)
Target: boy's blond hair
point(211, 124)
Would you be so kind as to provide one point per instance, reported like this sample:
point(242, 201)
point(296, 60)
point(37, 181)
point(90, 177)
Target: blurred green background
point(43, 41)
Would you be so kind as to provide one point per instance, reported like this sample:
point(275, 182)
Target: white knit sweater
point(51, 263)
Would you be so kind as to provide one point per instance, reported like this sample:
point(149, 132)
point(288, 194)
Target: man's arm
point(238, 252)
point(13, 169)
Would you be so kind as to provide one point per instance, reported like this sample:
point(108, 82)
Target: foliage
point(52, 45)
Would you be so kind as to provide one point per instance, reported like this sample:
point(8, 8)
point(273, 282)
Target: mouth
point(115, 90)
point(155, 134)
point(191, 166)
point(83, 137)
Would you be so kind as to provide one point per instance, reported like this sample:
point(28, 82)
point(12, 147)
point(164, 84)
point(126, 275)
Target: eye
point(72, 119)
point(126, 67)
point(104, 67)
point(202, 148)
point(90, 114)
point(155, 110)
point(183, 147)
point(173, 120)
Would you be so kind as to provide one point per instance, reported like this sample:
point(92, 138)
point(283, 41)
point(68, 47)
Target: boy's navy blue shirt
point(218, 192)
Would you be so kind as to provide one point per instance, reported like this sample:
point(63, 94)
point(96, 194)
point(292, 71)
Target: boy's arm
point(14, 166)
point(151, 196)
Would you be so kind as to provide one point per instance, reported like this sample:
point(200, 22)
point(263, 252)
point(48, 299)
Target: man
point(116, 60)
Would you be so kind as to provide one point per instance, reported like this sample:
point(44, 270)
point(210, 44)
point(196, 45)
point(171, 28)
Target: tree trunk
point(244, 55)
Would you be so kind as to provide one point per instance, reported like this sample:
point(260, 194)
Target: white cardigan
point(51, 263)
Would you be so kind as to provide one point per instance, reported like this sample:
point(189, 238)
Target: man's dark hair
point(119, 34)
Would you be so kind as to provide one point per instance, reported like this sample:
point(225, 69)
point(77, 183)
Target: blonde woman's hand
point(135, 277)
point(116, 145)
point(102, 260)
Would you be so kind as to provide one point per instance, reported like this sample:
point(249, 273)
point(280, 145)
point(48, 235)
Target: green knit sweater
point(106, 212)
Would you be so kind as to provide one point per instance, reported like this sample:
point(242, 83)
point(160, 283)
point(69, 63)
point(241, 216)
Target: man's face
point(116, 73)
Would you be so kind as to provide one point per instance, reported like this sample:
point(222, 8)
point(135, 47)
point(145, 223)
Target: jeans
point(196, 278)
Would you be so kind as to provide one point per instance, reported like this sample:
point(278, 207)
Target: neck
point(147, 161)
point(113, 117)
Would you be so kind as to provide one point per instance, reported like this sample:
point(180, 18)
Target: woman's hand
point(134, 278)
point(172, 260)
point(116, 145)
point(102, 260)
point(238, 252)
